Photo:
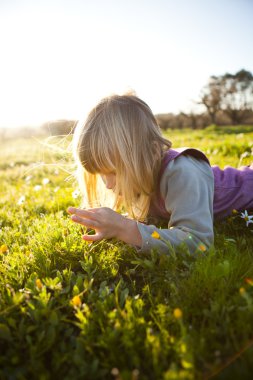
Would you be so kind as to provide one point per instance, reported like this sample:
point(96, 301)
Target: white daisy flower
point(75, 194)
point(248, 218)
point(45, 181)
point(21, 200)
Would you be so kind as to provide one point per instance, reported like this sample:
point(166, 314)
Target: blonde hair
point(121, 136)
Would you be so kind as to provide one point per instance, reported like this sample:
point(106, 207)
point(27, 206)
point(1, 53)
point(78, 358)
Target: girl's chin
point(114, 192)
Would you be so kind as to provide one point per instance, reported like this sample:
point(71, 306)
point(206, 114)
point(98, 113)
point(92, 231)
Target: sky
point(59, 57)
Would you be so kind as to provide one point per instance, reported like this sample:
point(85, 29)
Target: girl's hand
point(107, 224)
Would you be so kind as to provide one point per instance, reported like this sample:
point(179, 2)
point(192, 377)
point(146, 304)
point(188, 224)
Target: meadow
point(70, 310)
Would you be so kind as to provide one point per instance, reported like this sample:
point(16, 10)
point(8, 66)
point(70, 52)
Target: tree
point(211, 97)
point(237, 99)
point(230, 93)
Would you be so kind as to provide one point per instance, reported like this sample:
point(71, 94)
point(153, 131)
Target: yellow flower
point(186, 364)
point(76, 301)
point(242, 290)
point(249, 281)
point(3, 248)
point(202, 247)
point(39, 284)
point(183, 348)
point(234, 212)
point(155, 235)
point(178, 313)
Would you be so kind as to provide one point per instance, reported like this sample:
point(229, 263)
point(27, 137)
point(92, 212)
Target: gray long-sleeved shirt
point(187, 186)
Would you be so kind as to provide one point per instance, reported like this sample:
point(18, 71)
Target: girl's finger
point(80, 212)
point(84, 222)
point(95, 237)
point(71, 210)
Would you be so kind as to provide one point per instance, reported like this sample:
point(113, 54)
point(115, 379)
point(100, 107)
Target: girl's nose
point(109, 181)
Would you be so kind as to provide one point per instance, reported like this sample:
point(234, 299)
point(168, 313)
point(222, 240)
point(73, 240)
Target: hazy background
point(59, 57)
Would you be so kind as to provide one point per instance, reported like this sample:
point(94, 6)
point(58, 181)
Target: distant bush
point(59, 127)
point(194, 120)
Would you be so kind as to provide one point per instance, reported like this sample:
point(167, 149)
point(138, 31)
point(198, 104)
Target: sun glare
point(58, 61)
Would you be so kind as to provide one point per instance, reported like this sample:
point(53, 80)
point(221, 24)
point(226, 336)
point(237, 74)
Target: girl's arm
point(187, 187)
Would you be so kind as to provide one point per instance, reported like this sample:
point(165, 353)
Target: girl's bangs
point(97, 159)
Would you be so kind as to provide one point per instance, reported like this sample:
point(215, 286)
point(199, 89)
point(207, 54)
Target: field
point(70, 310)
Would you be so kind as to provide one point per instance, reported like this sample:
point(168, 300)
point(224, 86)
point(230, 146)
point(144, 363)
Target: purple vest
point(233, 188)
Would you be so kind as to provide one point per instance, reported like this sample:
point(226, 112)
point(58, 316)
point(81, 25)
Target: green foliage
point(71, 310)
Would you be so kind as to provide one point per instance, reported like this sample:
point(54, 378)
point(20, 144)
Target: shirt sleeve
point(187, 186)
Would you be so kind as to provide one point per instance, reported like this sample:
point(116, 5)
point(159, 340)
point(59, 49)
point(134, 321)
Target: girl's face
point(109, 180)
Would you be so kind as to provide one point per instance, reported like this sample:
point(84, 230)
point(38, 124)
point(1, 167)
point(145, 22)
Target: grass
point(69, 310)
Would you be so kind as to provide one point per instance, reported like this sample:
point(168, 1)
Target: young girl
point(121, 143)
